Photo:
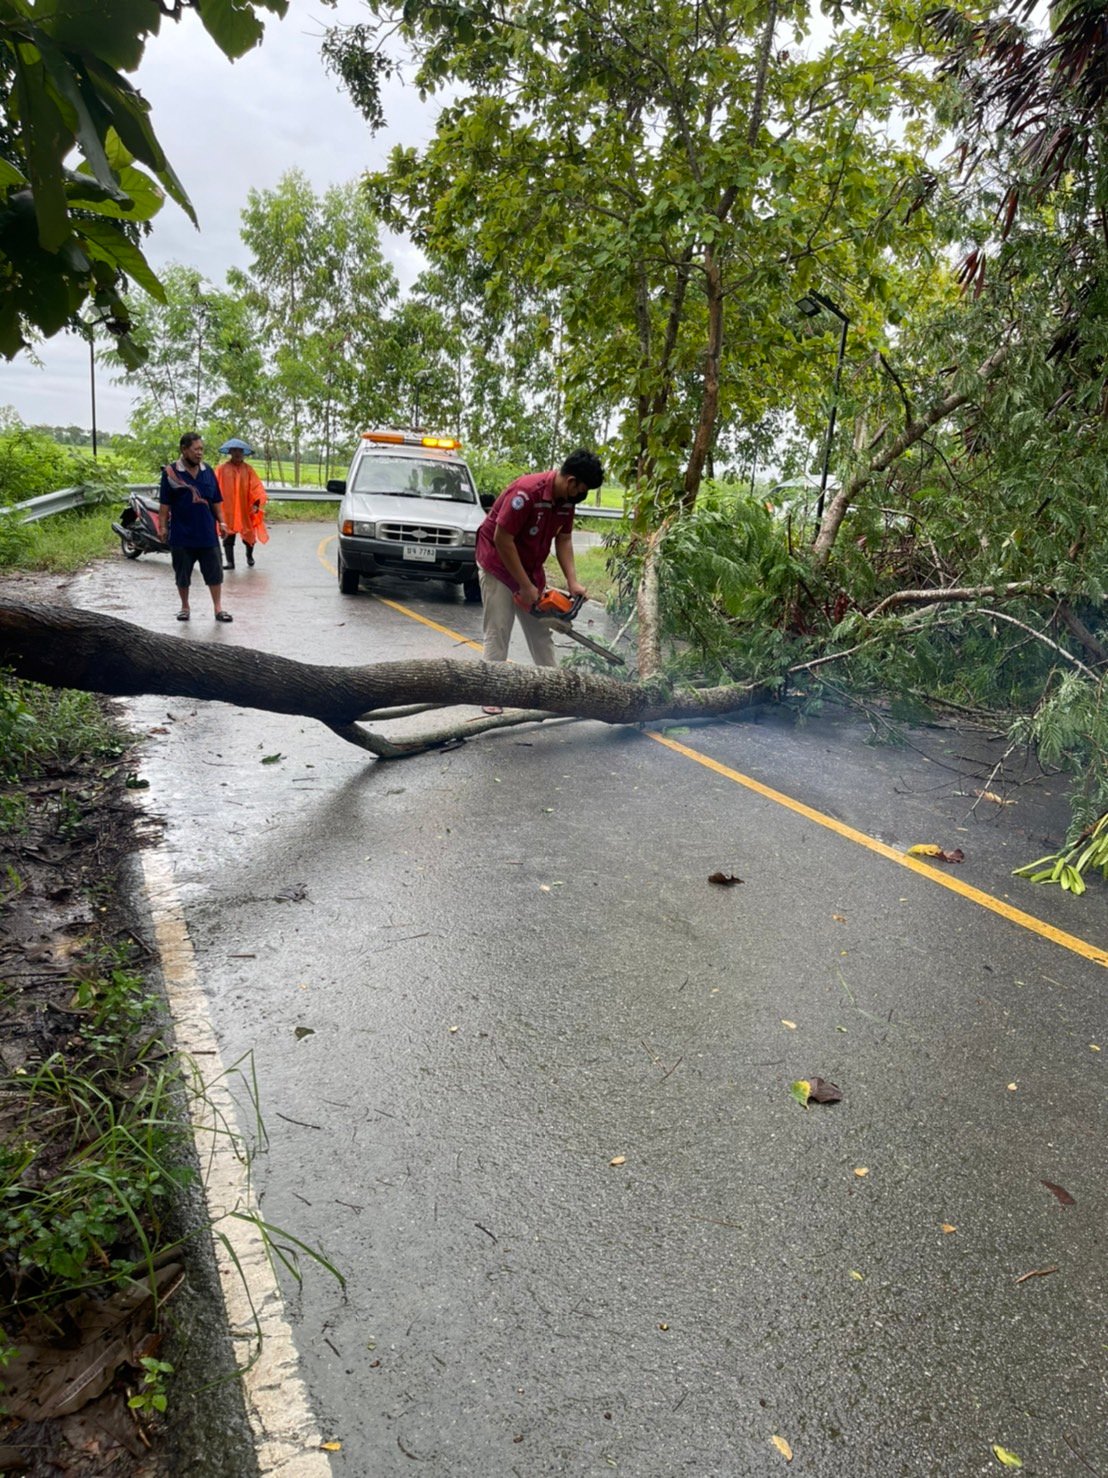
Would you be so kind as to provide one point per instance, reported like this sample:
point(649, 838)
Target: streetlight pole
point(202, 316)
point(810, 305)
point(92, 384)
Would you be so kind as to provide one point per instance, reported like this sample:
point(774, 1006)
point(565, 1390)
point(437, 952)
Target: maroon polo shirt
point(525, 509)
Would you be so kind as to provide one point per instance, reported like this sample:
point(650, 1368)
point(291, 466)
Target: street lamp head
point(808, 306)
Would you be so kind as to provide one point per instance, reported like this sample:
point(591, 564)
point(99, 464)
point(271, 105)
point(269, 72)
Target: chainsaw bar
point(567, 629)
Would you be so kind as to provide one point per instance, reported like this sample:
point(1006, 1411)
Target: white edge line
point(286, 1433)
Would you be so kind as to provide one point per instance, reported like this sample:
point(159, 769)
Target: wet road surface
point(474, 980)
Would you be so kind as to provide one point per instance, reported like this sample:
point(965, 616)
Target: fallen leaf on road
point(1005, 1458)
point(991, 795)
point(857, 1276)
point(1064, 1197)
point(271, 759)
point(724, 879)
point(790, 1024)
point(1035, 1273)
point(330, 1446)
point(801, 1091)
point(824, 1092)
point(840, 918)
point(929, 849)
point(304, 1031)
point(544, 887)
point(861, 1170)
point(783, 1448)
point(619, 1160)
point(947, 1228)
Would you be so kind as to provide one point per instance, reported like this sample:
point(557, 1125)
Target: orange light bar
point(403, 438)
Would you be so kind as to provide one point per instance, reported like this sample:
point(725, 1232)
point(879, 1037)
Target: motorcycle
point(137, 527)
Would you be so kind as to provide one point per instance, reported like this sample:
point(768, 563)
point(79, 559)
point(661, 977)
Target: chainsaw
point(557, 609)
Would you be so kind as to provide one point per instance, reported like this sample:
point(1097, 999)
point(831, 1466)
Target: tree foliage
point(675, 178)
point(69, 237)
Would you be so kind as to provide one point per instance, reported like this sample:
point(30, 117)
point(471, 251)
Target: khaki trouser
point(500, 611)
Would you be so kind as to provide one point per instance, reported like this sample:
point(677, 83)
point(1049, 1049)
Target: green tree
point(675, 178)
point(321, 288)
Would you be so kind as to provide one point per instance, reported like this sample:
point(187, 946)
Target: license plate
point(424, 552)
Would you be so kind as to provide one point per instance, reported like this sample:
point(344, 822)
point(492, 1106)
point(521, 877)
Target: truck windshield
point(404, 477)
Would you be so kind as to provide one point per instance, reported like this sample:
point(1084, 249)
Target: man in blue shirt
point(192, 507)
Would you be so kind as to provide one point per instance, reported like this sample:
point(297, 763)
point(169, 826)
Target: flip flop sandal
point(224, 616)
point(183, 615)
point(491, 709)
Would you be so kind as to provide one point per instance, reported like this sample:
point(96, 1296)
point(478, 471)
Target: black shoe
point(228, 564)
point(250, 555)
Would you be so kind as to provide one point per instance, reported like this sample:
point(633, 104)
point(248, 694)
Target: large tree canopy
point(677, 176)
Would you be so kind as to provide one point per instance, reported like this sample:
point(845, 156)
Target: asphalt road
point(525, 1073)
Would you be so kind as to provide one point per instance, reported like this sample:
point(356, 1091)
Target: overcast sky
point(226, 128)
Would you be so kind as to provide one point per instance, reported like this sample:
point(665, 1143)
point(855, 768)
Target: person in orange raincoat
point(244, 497)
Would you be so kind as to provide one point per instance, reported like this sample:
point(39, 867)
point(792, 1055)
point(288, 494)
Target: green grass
point(301, 512)
point(591, 571)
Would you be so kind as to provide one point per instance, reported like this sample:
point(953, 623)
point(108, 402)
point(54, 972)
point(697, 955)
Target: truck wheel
point(472, 589)
point(349, 580)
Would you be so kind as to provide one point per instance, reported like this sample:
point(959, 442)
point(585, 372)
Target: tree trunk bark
point(64, 647)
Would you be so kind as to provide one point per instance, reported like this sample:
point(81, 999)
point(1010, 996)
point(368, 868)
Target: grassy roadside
point(110, 1311)
point(92, 1151)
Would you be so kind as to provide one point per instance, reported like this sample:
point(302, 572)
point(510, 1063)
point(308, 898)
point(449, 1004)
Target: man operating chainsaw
point(513, 544)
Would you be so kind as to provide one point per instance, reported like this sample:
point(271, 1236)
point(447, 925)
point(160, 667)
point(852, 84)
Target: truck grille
point(416, 533)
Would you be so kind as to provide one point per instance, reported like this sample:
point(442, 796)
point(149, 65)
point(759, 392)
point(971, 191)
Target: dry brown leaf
point(821, 1091)
point(948, 1228)
point(991, 795)
point(619, 1160)
point(790, 1024)
point(1064, 1197)
point(861, 1170)
point(783, 1448)
point(1036, 1273)
point(936, 854)
point(724, 879)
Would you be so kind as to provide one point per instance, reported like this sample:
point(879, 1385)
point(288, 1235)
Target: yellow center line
point(955, 885)
point(943, 880)
point(393, 605)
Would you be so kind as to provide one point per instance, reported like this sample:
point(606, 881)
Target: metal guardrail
point(66, 499)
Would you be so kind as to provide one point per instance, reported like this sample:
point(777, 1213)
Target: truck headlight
point(468, 540)
point(363, 530)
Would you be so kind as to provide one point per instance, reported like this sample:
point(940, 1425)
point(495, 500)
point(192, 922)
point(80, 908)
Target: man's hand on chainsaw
point(576, 588)
point(526, 596)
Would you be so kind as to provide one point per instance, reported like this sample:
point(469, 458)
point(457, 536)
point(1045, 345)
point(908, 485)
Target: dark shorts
point(211, 565)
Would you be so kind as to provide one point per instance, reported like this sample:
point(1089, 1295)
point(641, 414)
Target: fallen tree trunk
point(65, 647)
